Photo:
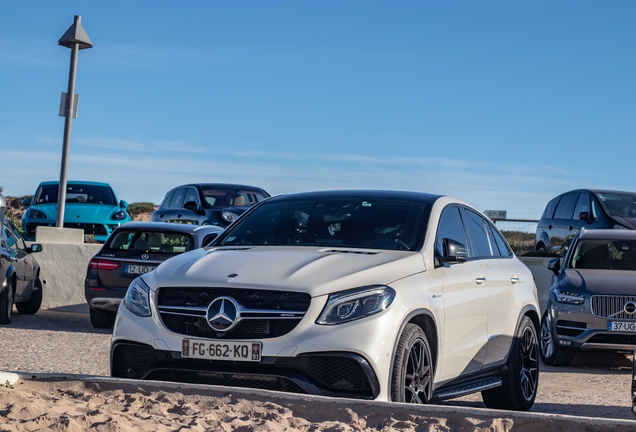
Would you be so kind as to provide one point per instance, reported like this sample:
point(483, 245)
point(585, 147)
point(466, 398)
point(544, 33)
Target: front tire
point(412, 374)
point(551, 353)
point(6, 303)
point(33, 305)
point(521, 380)
point(102, 318)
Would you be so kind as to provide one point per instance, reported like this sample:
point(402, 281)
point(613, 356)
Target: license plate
point(217, 350)
point(139, 269)
point(621, 326)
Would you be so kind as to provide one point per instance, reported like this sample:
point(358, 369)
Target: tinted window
point(177, 199)
point(583, 205)
point(602, 254)
point(76, 193)
point(450, 227)
point(217, 197)
point(352, 222)
point(499, 245)
point(549, 210)
point(166, 201)
point(619, 204)
point(153, 241)
point(566, 207)
point(191, 195)
point(479, 245)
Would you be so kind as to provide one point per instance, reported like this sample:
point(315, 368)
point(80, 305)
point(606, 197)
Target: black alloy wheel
point(521, 377)
point(412, 377)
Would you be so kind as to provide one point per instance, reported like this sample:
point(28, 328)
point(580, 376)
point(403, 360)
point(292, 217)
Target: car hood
point(316, 271)
point(626, 222)
point(605, 282)
point(79, 213)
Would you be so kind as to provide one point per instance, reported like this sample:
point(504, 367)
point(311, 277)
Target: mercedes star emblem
point(144, 256)
point(222, 314)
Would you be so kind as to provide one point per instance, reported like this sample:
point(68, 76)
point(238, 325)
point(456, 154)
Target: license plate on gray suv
point(621, 326)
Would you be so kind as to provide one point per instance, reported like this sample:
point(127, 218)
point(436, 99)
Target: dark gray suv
point(584, 208)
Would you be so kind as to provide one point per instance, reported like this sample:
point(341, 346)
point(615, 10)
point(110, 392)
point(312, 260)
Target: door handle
point(550, 226)
point(480, 280)
point(25, 261)
point(514, 280)
point(570, 228)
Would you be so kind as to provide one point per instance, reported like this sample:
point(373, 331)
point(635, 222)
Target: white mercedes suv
point(380, 295)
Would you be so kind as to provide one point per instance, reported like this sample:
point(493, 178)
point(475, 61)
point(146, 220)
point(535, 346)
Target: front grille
point(570, 328)
point(130, 360)
point(94, 229)
point(616, 339)
point(333, 372)
point(259, 328)
point(612, 307)
point(31, 228)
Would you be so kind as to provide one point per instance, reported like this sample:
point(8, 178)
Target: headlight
point(568, 297)
point(118, 215)
point(620, 227)
point(229, 216)
point(136, 299)
point(354, 304)
point(34, 213)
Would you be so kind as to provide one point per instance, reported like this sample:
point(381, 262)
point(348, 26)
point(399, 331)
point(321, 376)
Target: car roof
point(55, 182)
point(608, 234)
point(221, 186)
point(362, 194)
point(166, 226)
point(597, 191)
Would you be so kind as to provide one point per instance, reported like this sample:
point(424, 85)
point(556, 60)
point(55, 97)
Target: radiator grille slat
point(612, 307)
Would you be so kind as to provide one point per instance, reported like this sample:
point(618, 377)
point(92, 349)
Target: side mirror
point(586, 216)
point(555, 265)
point(192, 206)
point(454, 251)
point(123, 204)
point(35, 247)
point(26, 202)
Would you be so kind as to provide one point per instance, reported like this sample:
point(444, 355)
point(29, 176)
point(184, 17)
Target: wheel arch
point(425, 319)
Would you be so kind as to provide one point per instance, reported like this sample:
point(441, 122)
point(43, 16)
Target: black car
point(133, 249)
point(584, 208)
point(21, 283)
point(207, 203)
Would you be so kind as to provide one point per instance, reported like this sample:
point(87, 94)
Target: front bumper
point(347, 360)
point(574, 326)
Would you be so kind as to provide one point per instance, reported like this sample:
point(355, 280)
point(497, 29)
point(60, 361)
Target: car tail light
point(103, 264)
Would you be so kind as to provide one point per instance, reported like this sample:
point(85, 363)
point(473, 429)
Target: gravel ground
point(63, 341)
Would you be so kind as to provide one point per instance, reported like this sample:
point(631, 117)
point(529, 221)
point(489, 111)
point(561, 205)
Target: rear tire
point(520, 382)
point(102, 318)
point(33, 305)
point(412, 374)
point(6, 303)
point(551, 354)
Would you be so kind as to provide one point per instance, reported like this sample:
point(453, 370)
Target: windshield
point(619, 204)
point(76, 193)
point(150, 241)
point(346, 222)
point(604, 255)
point(215, 197)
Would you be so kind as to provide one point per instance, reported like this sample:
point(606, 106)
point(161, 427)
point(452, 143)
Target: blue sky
point(504, 104)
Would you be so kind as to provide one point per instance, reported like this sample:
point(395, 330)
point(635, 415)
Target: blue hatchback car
point(90, 206)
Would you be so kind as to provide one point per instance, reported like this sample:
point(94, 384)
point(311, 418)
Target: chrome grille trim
point(612, 307)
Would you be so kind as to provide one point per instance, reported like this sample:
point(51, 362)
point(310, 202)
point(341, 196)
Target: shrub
point(140, 207)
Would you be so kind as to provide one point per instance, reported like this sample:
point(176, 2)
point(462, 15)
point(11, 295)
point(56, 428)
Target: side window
point(191, 195)
point(549, 209)
point(479, 245)
point(177, 199)
point(582, 205)
point(166, 201)
point(450, 227)
point(499, 244)
point(566, 207)
point(10, 238)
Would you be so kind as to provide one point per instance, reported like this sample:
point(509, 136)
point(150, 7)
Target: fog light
point(565, 342)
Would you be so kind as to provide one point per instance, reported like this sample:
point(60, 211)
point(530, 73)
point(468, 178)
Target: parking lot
point(62, 340)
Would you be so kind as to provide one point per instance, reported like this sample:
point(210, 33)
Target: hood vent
point(345, 251)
